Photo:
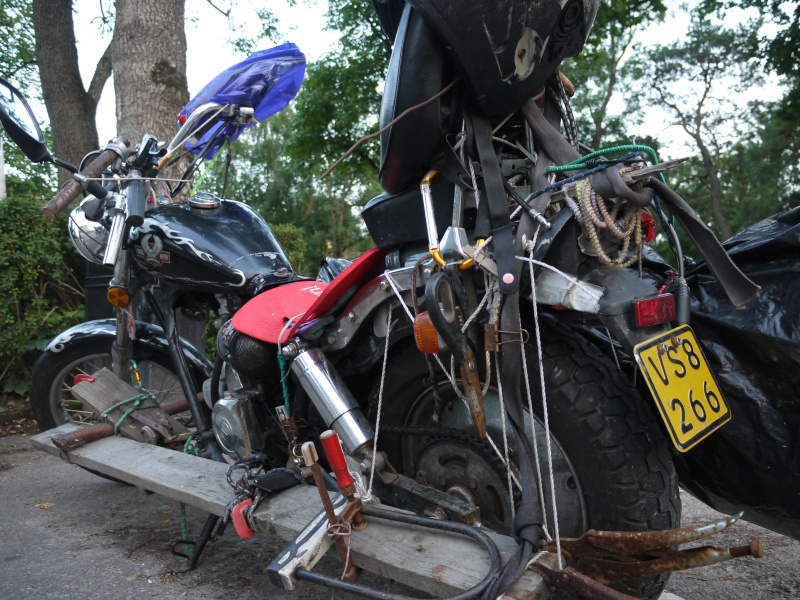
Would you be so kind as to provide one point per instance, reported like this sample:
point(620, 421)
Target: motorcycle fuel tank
point(211, 245)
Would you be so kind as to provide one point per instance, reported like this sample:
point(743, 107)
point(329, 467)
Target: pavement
point(70, 534)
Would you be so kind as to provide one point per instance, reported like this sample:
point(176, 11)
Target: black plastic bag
point(752, 464)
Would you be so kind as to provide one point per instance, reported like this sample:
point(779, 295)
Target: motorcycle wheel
point(53, 375)
point(611, 465)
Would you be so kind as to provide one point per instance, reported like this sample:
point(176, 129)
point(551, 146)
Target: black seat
point(411, 147)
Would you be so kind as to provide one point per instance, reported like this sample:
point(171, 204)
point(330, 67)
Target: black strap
point(508, 268)
point(739, 289)
point(527, 528)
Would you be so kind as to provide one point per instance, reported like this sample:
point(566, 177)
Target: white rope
point(287, 326)
point(380, 408)
point(474, 183)
point(545, 527)
point(488, 374)
point(398, 294)
point(533, 422)
point(545, 411)
point(570, 278)
point(474, 315)
point(536, 558)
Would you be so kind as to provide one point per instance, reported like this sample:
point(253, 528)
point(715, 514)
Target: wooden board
point(434, 562)
point(107, 390)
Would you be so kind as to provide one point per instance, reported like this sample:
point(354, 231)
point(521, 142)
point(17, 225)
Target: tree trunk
point(70, 108)
point(149, 57)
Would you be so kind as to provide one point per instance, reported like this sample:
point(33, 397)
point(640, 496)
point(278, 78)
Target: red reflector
point(655, 310)
point(240, 521)
point(648, 227)
point(182, 119)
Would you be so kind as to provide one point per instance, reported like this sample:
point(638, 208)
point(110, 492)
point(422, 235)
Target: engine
point(234, 415)
point(252, 359)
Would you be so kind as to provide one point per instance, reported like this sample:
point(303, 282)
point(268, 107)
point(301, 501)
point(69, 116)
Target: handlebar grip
point(336, 459)
point(137, 193)
point(72, 188)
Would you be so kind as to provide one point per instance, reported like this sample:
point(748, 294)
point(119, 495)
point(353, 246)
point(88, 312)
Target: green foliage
point(17, 44)
point(39, 292)
point(339, 101)
point(600, 74)
point(294, 244)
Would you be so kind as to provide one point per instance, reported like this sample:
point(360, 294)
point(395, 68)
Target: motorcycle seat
point(275, 315)
point(416, 73)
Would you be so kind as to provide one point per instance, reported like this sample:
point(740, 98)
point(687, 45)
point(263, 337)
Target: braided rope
point(596, 216)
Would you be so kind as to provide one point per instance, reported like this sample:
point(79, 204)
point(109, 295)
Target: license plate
point(682, 385)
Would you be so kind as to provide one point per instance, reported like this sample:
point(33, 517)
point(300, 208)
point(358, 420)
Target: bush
point(40, 293)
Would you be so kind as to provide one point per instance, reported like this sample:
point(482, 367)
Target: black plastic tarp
point(752, 464)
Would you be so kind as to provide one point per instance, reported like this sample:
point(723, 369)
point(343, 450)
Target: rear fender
point(146, 334)
point(587, 286)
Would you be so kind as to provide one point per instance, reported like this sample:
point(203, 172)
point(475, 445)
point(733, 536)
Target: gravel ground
point(70, 534)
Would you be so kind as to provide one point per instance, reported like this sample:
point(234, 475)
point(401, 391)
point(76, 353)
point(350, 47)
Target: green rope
point(137, 401)
point(581, 162)
point(184, 523)
point(284, 383)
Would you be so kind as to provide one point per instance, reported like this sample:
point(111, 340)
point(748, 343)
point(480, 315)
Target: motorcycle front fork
point(122, 348)
point(122, 351)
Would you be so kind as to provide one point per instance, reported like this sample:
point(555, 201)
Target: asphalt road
point(70, 534)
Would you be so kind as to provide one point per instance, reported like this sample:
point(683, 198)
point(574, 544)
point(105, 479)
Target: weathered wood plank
point(181, 477)
point(435, 562)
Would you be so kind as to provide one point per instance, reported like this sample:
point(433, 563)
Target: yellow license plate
point(682, 385)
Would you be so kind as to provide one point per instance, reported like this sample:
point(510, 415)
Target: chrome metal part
point(365, 302)
point(556, 290)
point(204, 200)
point(88, 237)
point(430, 218)
point(332, 399)
point(235, 424)
point(117, 229)
point(455, 239)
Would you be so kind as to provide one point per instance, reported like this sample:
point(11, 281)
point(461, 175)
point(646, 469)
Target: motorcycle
point(527, 416)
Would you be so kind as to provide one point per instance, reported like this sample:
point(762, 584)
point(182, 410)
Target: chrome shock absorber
point(331, 397)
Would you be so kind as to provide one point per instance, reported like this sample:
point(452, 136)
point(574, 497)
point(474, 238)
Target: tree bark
point(69, 107)
point(149, 57)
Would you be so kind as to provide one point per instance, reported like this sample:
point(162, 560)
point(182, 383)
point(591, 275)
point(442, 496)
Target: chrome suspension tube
point(332, 399)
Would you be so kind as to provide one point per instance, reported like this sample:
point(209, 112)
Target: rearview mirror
point(20, 123)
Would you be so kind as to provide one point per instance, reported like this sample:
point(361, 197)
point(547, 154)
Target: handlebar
point(137, 194)
point(73, 188)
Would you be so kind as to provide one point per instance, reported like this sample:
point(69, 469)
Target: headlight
point(89, 237)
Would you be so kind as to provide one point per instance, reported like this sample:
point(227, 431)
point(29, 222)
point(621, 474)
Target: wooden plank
point(181, 477)
point(106, 390)
point(435, 562)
